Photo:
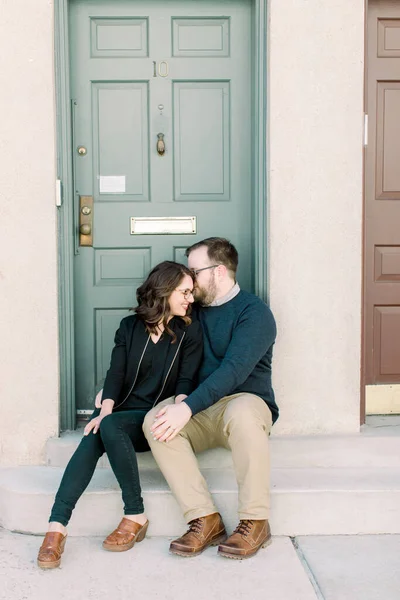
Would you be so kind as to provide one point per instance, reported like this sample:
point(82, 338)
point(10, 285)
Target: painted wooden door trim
point(65, 220)
point(66, 211)
point(260, 151)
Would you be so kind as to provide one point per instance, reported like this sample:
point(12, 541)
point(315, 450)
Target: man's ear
point(222, 271)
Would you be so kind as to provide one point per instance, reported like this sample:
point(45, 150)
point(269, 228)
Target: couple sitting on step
point(179, 382)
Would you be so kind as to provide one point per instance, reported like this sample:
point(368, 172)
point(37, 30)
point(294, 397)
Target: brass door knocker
point(160, 144)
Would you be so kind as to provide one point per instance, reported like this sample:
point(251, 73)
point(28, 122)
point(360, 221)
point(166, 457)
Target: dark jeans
point(121, 436)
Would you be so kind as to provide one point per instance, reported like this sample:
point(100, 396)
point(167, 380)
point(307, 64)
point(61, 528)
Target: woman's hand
point(169, 421)
point(97, 401)
point(179, 398)
point(94, 424)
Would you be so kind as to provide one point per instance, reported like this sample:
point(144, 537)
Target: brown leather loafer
point(248, 537)
point(125, 536)
point(202, 532)
point(50, 551)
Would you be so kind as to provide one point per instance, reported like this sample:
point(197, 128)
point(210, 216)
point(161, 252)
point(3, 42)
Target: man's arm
point(252, 337)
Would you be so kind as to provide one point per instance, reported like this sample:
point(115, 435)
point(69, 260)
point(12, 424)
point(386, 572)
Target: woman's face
point(181, 297)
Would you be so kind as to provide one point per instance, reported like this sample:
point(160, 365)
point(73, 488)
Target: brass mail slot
point(163, 225)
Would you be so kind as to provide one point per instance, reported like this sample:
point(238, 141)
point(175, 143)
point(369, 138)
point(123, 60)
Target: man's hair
point(220, 251)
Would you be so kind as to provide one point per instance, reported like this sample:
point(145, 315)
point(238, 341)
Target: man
point(233, 407)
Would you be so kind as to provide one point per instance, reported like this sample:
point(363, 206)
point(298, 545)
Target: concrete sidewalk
point(307, 568)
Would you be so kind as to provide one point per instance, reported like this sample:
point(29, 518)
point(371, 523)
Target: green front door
point(177, 68)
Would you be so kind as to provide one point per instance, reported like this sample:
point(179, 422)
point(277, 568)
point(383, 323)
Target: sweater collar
point(229, 296)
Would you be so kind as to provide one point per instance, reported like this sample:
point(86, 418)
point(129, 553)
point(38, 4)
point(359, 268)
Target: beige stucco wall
point(28, 254)
point(315, 166)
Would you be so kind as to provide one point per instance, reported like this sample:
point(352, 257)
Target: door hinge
point(365, 129)
point(58, 192)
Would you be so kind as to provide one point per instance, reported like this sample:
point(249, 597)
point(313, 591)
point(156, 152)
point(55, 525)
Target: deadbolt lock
point(82, 150)
point(86, 210)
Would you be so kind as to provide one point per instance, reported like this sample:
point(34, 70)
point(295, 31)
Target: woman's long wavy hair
point(153, 295)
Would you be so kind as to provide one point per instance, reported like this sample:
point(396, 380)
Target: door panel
point(201, 141)
point(127, 37)
point(178, 68)
point(197, 37)
point(121, 141)
point(382, 208)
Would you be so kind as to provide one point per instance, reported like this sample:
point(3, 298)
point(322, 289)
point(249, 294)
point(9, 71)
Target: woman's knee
point(151, 415)
point(148, 422)
point(108, 427)
point(90, 447)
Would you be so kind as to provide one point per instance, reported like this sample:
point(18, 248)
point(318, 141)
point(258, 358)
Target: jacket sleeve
point(192, 354)
point(116, 373)
point(253, 334)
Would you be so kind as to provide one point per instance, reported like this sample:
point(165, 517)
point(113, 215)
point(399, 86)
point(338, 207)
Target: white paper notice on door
point(112, 184)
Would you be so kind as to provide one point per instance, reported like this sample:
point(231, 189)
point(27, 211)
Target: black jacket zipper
point(136, 376)
point(137, 372)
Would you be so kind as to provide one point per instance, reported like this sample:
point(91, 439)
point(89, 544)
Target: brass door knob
point(85, 229)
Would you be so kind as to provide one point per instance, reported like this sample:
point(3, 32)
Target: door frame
point(363, 242)
point(66, 217)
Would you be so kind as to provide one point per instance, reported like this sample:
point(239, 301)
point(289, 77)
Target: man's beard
point(205, 296)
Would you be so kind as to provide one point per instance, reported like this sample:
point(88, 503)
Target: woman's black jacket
point(180, 360)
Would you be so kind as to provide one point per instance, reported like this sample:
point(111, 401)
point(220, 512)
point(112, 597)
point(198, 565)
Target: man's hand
point(97, 401)
point(179, 398)
point(169, 421)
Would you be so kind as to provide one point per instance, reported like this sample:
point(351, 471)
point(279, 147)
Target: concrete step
point(374, 447)
point(305, 501)
point(60, 449)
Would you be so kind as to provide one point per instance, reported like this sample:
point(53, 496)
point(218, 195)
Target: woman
point(156, 355)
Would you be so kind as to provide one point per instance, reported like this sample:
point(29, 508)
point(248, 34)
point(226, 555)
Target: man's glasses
point(196, 271)
point(186, 293)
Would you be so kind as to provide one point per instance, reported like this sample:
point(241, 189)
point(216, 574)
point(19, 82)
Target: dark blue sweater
point(238, 340)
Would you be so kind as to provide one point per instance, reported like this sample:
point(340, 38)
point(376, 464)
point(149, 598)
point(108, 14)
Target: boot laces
point(196, 525)
point(244, 527)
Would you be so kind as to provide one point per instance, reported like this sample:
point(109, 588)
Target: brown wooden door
point(382, 195)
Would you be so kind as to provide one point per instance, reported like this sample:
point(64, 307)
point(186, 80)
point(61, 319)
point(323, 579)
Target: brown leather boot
point(202, 532)
point(248, 537)
point(50, 551)
point(125, 536)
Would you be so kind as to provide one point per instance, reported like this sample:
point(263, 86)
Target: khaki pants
point(241, 423)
